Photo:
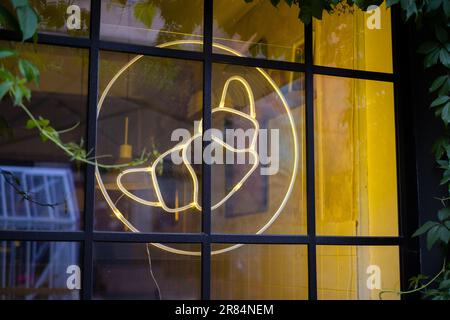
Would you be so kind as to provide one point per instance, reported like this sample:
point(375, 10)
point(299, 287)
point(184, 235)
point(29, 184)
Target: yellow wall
point(356, 187)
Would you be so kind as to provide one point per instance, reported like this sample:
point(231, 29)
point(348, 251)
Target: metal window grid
point(408, 248)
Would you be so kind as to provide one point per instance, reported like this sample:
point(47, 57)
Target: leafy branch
point(434, 15)
point(416, 286)
point(21, 17)
point(16, 87)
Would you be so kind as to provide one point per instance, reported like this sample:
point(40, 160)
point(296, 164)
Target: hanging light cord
point(151, 271)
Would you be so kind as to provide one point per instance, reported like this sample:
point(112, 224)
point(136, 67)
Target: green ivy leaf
point(30, 124)
point(433, 5)
point(390, 3)
point(445, 177)
point(445, 114)
point(6, 75)
point(438, 112)
point(425, 227)
point(28, 21)
point(44, 123)
point(444, 234)
point(29, 71)
point(411, 9)
point(445, 89)
point(6, 53)
point(4, 88)
point(444, 214)
point(431, 58)
point(438, 82)
point(439, 148)
point(447, 151)
point(18, 94)
point(446, 7)
point(45, 127)
point(444, 284)
point(444, 57)
point(50, 132)
point(439, 101)
point(443, 164)
point(414, 282)
point(433, 236)
point(19, 3)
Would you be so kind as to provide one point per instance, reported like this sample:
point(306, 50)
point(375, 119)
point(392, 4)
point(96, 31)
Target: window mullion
point(310, 178)
point(88, 259)
point(206, 169)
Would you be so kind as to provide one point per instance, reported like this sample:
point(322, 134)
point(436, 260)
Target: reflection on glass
point(270, 195)
point(54, 183)
point(142, 271)
point(357, 273)
point(64, 17)
point(354, 39)
point(356, 184)
point(152, 106)
point(152, 22)
point(260, 272)
point(39, 270)
point(260, 30)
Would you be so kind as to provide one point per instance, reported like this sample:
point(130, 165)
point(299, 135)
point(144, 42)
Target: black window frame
point(406, 172)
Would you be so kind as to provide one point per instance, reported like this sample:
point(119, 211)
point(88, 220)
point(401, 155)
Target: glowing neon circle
point(221, 107)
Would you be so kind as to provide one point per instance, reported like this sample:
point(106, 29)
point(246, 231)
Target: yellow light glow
point(183, 147)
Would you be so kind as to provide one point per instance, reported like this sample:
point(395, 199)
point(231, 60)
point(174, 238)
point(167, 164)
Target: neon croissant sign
point(182, 148)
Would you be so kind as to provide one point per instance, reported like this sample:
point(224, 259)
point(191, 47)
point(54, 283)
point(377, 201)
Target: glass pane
point(357, 273)
point(148, 105)
point(354, 39)
point(153, 22)
point(356, 180)
point(54, 184)
point(258, 167)
point(39, 270)
point(143, 271)
point(260, 272)
point(258, 29)
point(64, 17)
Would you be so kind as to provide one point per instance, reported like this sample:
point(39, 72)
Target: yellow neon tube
point(251, 150)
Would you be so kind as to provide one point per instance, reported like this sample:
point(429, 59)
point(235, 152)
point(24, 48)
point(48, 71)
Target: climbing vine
point(21, 17)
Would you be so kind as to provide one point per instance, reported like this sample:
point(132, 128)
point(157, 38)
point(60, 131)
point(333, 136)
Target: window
point(312, 213)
